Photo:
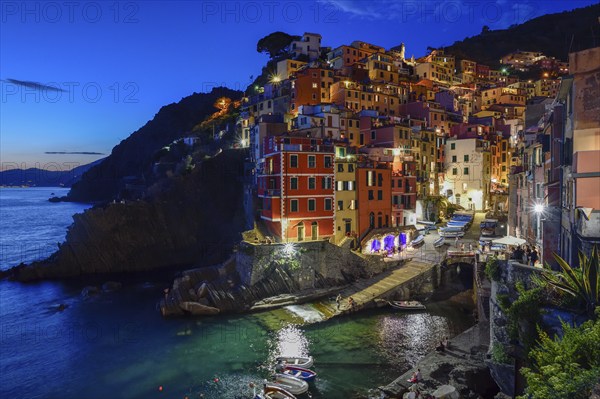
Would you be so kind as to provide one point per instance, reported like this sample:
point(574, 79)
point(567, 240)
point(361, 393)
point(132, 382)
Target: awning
point(509, 240)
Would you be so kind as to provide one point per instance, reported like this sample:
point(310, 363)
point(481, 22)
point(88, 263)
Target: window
point(466, 157)
point(293, 161)
point(351, 185)
point(327, 161)
point(370, 178)
point(466, 171)
point(312, 161)
point(350, 167)
point(312, 204)
point(328, 204)
point(326, 183)
point(352, 204)
point(453, 146)
point(371, 196)
point(340, 206)
point(340, 167)
point(453, 158)
point(373, 134)
point(293, 183)
point(454, 171)
point(314, 85)
point(312, 183)
point(379, 195)
point(340, 185)
point(294, 205)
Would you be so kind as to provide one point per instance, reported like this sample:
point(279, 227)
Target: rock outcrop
point(192, 219)
point(460, 370)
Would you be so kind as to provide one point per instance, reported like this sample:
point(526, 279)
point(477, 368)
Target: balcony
point(588, 224)
point(273, 192)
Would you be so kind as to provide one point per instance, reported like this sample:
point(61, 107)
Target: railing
point(273, 192)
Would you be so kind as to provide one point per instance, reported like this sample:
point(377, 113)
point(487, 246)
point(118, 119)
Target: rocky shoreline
point(458, 372)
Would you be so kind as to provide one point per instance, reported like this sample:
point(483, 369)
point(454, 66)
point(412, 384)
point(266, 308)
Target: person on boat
point(338, 301)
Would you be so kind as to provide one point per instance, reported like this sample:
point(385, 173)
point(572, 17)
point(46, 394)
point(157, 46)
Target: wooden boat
point(305, 362)
point(300, 372)
point(417, 241)
point(407, 305)
point(439, 242)
point(288, 383)
point(272, 392)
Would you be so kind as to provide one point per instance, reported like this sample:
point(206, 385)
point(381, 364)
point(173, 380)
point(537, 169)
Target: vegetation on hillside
point(567, 367)
point(134, 155)
point(555, 35)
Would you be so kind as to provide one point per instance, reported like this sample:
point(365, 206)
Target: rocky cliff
point(190, 220)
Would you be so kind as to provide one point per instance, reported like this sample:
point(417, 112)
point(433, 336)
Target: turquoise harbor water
point(117, 345)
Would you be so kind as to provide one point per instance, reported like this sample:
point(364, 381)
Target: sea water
point(116, 345)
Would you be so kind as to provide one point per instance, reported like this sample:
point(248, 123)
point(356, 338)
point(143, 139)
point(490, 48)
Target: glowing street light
point(538, 208)
point(289, 249)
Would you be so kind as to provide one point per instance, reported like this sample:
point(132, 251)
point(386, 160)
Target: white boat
point(439, 242)
point(407, 305)
point(417, 241)
point(288, 383)
point(274, 393)
point(451, 232)
point(305, 362)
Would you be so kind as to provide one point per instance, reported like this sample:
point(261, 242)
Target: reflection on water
point(406, 339)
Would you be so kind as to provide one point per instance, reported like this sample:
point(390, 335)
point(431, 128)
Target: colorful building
point(295, 185)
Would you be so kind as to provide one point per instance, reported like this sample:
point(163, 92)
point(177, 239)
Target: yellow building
point(345, 195)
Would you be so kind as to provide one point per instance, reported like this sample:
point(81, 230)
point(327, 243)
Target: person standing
point(338, 301)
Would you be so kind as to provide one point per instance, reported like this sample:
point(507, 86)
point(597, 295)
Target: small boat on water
point(272, 392)
point(300, 372)
point(439, 242)
point(407, 305)
point(304, 362)
point(417, 241)
point(288, 383)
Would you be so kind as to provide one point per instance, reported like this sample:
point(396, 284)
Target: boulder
point(90, 291)
point(196, 308)
point(446, 392)
point(110, 286)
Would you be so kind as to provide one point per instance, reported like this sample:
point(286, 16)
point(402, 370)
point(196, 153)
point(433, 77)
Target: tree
point(567, 367)
point(275, 43)
point(222, 103)
point(582, 282)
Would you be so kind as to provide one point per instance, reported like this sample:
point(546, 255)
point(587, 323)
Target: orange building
point(311, 86)
point(373, 182)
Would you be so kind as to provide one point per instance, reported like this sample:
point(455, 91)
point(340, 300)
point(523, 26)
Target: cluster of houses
point(350, 139)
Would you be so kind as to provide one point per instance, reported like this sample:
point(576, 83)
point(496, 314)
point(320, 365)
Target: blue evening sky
point(80, 76)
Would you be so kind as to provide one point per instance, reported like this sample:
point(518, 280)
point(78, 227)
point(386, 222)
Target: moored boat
point(273, 392)
point(305, 362)
point(439, 242)
point(407, 305)
point(300, 372)
point(417, 241)
point(288, 383)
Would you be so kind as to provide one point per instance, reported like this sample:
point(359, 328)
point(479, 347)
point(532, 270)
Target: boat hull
point(407, 305)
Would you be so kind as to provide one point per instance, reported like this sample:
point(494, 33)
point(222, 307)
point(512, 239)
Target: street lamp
point(539, 209)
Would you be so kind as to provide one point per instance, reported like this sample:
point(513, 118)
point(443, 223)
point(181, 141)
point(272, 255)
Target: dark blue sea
point(116, 345)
